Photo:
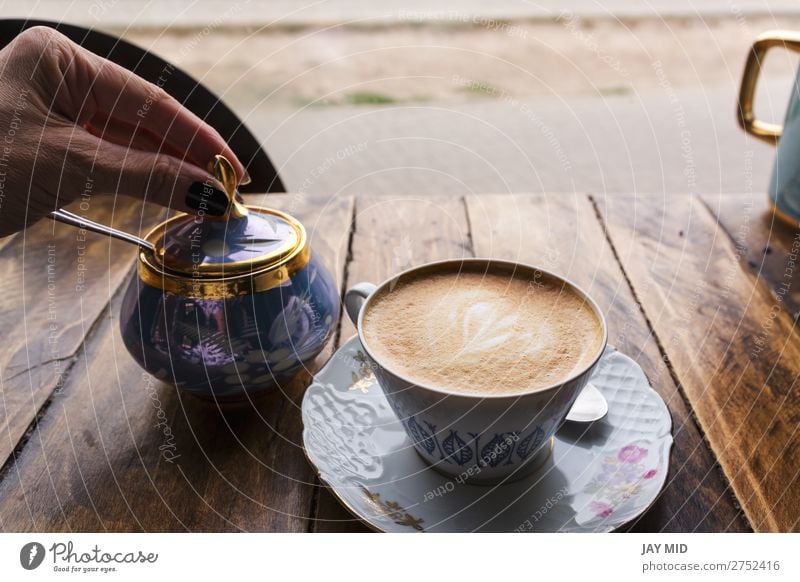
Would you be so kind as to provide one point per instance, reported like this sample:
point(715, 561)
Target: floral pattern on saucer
point(600, 476)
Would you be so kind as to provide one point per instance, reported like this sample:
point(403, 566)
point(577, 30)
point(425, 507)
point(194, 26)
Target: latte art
point(482, 333)
point(485, 325)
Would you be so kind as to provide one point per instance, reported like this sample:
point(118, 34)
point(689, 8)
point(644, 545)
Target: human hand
point(74, 124)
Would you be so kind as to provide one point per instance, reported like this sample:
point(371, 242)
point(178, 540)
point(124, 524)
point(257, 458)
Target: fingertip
point(245, 179)
point(242, 177)
point(218, 146)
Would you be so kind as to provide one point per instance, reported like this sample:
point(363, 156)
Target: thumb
point(155, 177)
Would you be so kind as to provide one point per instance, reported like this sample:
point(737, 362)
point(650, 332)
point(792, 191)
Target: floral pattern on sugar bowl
point(481, 450)
point(234, 346)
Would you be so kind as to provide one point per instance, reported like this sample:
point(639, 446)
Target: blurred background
point(417, 97)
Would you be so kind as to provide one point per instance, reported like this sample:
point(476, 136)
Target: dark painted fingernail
point(205, 197)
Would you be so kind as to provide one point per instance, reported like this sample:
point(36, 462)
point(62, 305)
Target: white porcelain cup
point(476, 438)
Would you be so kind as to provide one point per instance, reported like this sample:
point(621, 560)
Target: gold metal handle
point(768, 132)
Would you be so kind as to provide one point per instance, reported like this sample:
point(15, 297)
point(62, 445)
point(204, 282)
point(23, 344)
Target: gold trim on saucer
point(344, 503)
point(364, 379)
point(392, 510)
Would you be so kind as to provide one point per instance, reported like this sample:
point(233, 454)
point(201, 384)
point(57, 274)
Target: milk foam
point(479, 333)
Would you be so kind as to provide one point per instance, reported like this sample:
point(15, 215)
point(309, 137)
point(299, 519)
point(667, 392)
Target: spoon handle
point(68, 217)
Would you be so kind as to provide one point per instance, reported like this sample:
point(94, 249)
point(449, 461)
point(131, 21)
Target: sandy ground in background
point(446, 107)
point(432, 63)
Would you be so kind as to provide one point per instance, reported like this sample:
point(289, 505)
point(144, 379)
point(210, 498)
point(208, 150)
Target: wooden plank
point(765, 245)
point(56, 281)
point(393, 234)
point(98, 460)
point(730, 343)
point(561, 232)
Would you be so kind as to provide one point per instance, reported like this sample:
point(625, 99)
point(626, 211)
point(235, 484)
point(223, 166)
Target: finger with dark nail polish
point(202, 196)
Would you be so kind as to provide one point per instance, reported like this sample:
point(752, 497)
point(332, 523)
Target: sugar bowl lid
point(248, 249)
point(215, 248)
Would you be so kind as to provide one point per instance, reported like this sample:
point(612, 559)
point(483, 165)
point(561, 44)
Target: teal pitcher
point(784, 188)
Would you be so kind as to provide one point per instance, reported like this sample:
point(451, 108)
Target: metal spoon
point(219, 166)
point(590, 405)
point(68, 217)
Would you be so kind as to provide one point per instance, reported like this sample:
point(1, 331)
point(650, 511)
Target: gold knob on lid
point(223, 171)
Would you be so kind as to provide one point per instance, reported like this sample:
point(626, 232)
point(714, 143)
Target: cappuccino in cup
point(481, 331)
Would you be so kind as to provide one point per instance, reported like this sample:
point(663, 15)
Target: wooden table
point(703, 292)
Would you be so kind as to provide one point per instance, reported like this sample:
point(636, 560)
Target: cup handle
point(767, 132)
point(354, 298)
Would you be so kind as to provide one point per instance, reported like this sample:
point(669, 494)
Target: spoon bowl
point(590, 405)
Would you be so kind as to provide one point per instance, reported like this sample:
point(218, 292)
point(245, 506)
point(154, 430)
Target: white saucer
point(599, 477)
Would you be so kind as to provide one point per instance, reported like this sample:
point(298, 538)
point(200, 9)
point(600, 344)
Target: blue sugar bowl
point(226, 307)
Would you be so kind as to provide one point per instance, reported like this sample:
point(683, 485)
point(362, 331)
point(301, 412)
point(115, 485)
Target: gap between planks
point(688, 259)
point(314, 504)
point(65, 376)
point(364, 205)
point(663, 352)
